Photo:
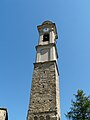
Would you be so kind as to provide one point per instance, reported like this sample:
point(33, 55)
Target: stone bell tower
point(44, 98)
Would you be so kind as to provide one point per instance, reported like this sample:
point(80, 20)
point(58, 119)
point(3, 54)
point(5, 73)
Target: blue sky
point(18, 38)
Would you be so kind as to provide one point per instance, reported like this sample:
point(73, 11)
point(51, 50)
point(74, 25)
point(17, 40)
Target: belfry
point(45, 97)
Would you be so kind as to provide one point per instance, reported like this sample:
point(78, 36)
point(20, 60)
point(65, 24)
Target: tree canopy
point(80, 107)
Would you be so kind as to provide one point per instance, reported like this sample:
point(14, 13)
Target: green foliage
point(80, 108)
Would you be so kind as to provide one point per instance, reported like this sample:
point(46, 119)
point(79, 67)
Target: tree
point(80, 108)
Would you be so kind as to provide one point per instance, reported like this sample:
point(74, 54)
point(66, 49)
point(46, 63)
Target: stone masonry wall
point(43, 92)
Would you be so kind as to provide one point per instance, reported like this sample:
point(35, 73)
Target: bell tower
point(44, 98)
point(46, 48)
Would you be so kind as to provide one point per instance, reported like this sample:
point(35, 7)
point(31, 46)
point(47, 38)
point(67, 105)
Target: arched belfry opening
point(46, 37)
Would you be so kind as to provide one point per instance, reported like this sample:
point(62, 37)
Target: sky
point(19, 36)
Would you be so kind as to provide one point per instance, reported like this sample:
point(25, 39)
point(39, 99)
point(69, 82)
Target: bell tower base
point(44, 100)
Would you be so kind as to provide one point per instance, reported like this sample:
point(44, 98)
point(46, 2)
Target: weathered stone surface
point(44, 97)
